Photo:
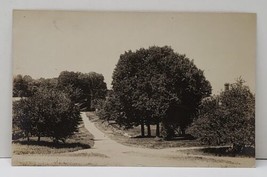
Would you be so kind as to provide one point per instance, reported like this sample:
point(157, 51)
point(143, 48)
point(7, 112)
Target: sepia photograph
point(141, 89)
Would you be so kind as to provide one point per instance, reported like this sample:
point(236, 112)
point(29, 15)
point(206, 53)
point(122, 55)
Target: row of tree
point(51, 107)
point(157, 86)
point(154, 86)
point(84, 89)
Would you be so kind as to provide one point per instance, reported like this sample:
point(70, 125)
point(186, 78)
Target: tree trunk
point(28, 137)
point(142, 129)
point(157, 130)
point(39, 138)
point(91, 100)
point(148, 130)
point(55, 141)
point(183, 131)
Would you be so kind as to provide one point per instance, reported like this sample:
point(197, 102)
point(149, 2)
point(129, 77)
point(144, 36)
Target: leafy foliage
point(23, 86)
point(26, 86)
point(84, 89)
point(151, 83)
point(48, 113)
point(50, 107)
point(228, 118)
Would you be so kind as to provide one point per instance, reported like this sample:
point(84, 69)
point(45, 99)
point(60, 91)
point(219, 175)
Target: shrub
point(228, 118)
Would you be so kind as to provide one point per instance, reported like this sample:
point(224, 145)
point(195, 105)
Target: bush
point(228, 118)
point(48, 113)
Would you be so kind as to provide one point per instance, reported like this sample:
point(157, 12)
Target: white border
point(7, 171)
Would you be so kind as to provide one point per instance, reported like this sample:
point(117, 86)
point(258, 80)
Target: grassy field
point(131, 137)
point(80, 140)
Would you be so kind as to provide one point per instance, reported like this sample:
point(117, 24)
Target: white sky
point(48, 42)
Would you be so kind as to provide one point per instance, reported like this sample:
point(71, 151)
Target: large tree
point(158, 85)
point(68, 82)
point(83, 88)
point(227, 119)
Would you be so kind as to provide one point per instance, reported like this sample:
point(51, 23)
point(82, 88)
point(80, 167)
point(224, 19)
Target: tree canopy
point(83, 88)
point(48, 113)
point(153, 84)
point(23, 86)
point(51, 107)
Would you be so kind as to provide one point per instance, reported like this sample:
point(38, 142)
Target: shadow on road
point(54, 145)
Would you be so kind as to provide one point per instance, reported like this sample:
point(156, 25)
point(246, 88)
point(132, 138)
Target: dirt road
point(107, 152)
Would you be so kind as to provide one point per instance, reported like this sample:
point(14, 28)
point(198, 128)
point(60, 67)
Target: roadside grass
point(80, 140)
point(91, 154)
point(131, 137)
point(222, 152)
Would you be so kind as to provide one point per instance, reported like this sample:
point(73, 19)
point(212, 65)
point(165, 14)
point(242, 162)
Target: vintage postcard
point(160, 89)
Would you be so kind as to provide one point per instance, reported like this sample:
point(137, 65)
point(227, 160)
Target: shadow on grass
point(54, 145)
point(226, 151)
point(176, 138)
point(139, 136)
point(184, 137)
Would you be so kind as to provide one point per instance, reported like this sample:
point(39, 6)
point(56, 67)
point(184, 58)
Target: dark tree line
point(85, 89)
point(24, 86)
point(51, 107)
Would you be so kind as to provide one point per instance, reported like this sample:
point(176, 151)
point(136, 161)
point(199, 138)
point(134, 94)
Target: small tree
point(23, 117)
point(228, 118)
point(48, 113)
